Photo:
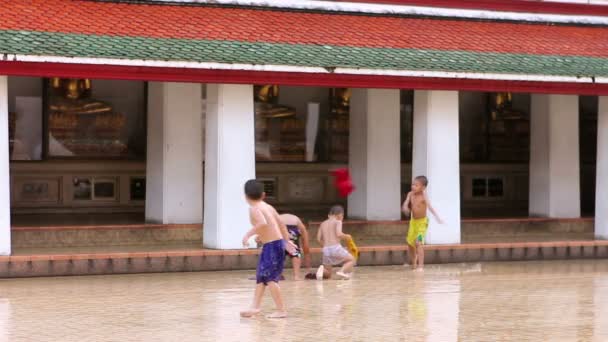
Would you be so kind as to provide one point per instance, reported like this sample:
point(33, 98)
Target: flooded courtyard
point(523, 301)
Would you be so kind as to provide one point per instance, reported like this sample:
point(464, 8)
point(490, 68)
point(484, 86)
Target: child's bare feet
point(250, 313)
point(343, 275)
point(277, 314)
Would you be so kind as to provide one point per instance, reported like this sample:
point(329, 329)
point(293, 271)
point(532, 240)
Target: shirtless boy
point(417, 203)
point(273, 234)
point(299, 236)
point(329, 236)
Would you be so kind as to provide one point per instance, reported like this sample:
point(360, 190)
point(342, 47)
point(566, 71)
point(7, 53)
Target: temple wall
point(302, 188)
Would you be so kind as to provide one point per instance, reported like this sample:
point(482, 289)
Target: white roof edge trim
point(406, 10)
point(299, 69)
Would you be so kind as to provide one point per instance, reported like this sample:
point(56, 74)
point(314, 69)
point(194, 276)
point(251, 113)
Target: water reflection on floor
point(525, 301)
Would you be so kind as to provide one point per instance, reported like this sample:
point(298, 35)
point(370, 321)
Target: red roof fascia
point(285, 78)
point(502, 5)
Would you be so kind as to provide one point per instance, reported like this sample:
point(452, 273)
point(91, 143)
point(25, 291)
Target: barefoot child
point(417, 203)
point(273, 234)
point(298, 235)
point(329, 236)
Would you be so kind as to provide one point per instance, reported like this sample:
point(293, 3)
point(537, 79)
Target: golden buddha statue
point(340, 100)
point(502, 107)
point(73, 96)
point(80, 123)
point(266, 106)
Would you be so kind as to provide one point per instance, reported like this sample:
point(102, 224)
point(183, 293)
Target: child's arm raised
point(406, 204)
point(431, 209)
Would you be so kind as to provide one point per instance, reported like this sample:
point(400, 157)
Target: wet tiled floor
point(523, 301)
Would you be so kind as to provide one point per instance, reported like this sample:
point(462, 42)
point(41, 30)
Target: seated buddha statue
point(340, 100)
point(80, 124)
point(502, 107)
point(73, 96)
point(266, 106)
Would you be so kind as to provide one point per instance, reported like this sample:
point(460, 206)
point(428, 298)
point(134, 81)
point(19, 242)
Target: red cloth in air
point(343, 182)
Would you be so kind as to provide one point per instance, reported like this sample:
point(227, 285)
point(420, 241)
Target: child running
point(273, 234)
point(299, 237)
point(329, 236)
point(417, 203)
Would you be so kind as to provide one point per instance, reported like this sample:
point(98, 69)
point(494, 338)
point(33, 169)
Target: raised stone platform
point(365, 233)
point(475, 230)
point(188, 260)
point(106, 235)
point(140, 248)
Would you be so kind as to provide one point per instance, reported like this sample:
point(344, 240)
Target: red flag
point(343, 182)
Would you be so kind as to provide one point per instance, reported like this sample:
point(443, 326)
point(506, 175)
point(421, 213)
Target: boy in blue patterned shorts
point(273, 234)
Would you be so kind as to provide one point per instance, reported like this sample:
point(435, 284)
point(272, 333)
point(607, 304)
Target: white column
point(374, 154)
point(5, 195)
point(174, 163)
point(229, 163)
point(436, 156)
point(601, 178)
point(554, 156)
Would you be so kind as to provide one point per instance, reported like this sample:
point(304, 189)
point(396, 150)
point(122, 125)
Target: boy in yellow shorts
point(417, 203)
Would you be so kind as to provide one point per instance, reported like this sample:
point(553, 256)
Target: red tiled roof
point(168, 42)
point(276, 26)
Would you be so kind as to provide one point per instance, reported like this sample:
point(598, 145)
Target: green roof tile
point(189, 50)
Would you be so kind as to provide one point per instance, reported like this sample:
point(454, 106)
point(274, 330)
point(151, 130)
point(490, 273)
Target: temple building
point(159, 111)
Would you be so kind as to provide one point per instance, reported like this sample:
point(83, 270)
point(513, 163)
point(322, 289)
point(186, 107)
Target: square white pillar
point(374, 154)
point(5, 195)
point(229, 163)
point(436, 156)
point(601, 178)
point(174, 163)
point(554, 156)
